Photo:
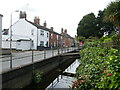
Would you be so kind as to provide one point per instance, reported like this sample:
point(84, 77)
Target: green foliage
point(99, 68)
point(94, 26)
point(37, 76)
point(103, 26)
point(106, 39)
point(80, 38)
point(86, 26)
point(112, 14)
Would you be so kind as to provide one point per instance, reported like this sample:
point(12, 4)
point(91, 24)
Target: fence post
point(33, 59)
point(58, 79)
point(44, 54)
point(67, 49)
point(52, 52)
point(58, 50)
point(11, 60)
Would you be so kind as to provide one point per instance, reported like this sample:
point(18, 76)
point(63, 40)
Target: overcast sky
point(57, 13)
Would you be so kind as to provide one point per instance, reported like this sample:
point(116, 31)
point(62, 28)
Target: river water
point(64, 81)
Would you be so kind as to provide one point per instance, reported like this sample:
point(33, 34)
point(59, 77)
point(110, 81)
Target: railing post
point(11, 60)
point(52, 84)
point(44, 54)
point(52, 52)
point(33, 59)
point(58, 79)
point(67, 49)
point(58, 51)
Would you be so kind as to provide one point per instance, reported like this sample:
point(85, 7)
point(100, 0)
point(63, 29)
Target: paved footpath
point(20, 59)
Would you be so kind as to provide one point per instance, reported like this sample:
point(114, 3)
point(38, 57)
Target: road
point(20, 59)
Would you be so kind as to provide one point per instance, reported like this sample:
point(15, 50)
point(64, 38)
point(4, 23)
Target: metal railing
point(20, 59)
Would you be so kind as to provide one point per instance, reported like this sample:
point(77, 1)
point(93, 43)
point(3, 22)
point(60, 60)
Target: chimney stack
point(36, 20)
point(45, 24)
point(61, 30)
point(22, 15)
point(52, 28)
point(65, 31)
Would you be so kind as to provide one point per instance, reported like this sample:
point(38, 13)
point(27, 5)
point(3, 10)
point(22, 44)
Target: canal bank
point(63, 62)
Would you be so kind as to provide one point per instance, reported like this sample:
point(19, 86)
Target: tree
point(94, 26)
point(87, 26)
point(112, 14)
point(103, 26)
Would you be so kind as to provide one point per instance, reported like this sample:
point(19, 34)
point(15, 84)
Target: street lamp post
point(11, 38)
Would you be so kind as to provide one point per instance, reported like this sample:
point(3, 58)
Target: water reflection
point(64, 81)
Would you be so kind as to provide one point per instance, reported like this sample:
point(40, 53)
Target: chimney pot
point(65, 31)
point(52, 28)
point(62, 30)
point(22, 15)
point(45, 24)
point(36, 20)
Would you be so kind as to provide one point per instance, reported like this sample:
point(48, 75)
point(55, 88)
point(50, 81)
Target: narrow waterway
point(65, 81)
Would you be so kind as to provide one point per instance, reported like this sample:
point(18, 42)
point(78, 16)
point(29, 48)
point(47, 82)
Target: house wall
point(54, 40)
point(43, 37)
point(24, 28)
point(59, 40)
point(0, 32)
point(6, 44)
point(0, 25)
point(50, 39)
point(51, 44)
point(23, 45)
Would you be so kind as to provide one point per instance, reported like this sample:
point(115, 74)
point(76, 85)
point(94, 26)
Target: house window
point(47, 34)
point(42, 32)
point(32, 32)
point(41, 43)
point(32, 43)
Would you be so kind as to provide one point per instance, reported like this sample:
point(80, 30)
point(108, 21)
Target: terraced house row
point(27, 35)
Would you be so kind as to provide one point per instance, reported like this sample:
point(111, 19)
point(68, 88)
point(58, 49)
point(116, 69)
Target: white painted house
point(0, 31)
point(1, 24)
point(37, 33)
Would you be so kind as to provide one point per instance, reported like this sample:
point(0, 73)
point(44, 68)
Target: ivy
point(99, 68)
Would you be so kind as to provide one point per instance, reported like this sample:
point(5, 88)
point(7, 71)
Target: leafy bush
point(99, 68)
point(80, 38)
point(37, 76)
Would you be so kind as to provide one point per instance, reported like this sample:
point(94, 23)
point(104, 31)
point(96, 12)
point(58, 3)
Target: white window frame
point(47, 34)
point(32, 31)
point(42, 32)
point(41, 43)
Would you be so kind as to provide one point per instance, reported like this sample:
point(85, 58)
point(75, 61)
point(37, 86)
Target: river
point(65, 81)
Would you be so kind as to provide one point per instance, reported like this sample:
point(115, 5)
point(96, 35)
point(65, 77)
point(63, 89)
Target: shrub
point(99, 68)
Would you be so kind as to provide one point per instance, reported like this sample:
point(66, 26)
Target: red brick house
point(54, 38)
point(67, 40)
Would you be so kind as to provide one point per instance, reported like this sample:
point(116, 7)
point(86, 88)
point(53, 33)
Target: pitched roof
point(47, 29)
point(67, 35)
point(38, 26)
point(42, 27)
